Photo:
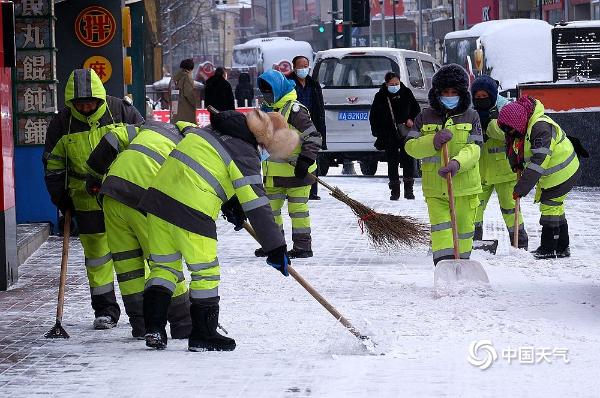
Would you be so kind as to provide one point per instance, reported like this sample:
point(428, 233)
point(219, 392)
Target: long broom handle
point(63, 266)
point(516, 224)
point(336, 314)
point(451, 201)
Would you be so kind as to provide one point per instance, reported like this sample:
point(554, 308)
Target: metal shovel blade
point(57, 332)
point(452, 271)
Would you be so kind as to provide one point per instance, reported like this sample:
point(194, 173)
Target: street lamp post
point(381, 2)
point(394, 13)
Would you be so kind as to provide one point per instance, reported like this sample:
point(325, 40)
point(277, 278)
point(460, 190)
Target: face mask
point(482, 103)
point(450, 102)
point(269, 98)
point(302, 73)
point(263, 153)
point(394, 89)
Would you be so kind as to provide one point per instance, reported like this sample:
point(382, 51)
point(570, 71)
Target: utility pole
point(267, 11)
point(567, 10)
point(454, 17)
point(394, 2)
point(383, 43)
point(420, 26)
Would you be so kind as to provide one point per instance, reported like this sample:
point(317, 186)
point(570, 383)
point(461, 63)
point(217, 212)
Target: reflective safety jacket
point(493, 163)
point(464, 147)
point(132, 164)
point(71, 137)
point(205, 170)
point(279, 172)
point(550, 158)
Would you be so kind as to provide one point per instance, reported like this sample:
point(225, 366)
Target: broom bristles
point(386, 231)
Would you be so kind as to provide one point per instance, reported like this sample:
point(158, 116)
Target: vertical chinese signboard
point(35, 77)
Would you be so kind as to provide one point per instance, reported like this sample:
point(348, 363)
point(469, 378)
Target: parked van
point(350, 78)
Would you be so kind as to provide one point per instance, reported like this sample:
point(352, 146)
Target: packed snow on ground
point(289, 346)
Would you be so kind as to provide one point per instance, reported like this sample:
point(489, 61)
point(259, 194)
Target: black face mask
point(269, 98)
point(482, 103)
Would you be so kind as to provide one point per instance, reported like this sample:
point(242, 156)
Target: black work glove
point(302, 165)
point(65, 203)
point(278, 259)
point(233, 212)
point(92, 185)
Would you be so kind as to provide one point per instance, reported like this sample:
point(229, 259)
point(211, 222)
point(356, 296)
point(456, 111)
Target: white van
point(350, 78)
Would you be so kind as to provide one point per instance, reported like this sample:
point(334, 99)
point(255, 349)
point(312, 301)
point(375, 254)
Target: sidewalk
point(289, 346)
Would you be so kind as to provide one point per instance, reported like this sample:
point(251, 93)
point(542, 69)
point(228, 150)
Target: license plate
point(353, 116)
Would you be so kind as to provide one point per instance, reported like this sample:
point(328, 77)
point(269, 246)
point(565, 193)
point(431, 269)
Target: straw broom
point(385, 231)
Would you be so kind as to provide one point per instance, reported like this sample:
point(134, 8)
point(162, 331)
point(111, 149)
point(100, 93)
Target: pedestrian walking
point(494, 168)
point(244, 91)
point(311, 96)
point(186, 103)
point(449, 121)
point(218, 92)
point(539, 148)
point(127, 169)
point(71, 136)
point(210, 167)
point(284, 181)
point(392, 115)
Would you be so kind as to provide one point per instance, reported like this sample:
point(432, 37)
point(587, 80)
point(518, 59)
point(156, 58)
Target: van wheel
point(368, 167)
point(322, 165)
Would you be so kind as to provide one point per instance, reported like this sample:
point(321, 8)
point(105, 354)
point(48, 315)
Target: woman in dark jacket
point(218, 92)
point(244, 91)
point(391, 129)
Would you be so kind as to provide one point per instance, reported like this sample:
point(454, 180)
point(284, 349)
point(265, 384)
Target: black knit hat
point(487, 84)
point(450, 76)
point(187, 64)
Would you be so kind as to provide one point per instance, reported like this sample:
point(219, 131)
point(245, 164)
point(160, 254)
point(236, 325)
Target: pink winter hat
point(517, 114)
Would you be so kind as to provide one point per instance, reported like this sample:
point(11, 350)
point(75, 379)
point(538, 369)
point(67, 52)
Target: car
point(350, 78)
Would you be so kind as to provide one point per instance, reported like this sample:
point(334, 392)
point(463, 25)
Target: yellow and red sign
point(100, 65)
point(95, 26)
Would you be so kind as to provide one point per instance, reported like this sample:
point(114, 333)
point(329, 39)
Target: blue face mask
point(450, 102)
point(394, 89)
point(302, 73)
point(263, 153)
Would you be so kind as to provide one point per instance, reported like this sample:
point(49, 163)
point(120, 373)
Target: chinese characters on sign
point(100, 65)
point(35, 84)
point(95, 26)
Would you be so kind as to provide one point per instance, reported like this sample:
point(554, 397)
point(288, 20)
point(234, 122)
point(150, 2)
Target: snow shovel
point(58, 332)
point(448, 271)
point(365, 340)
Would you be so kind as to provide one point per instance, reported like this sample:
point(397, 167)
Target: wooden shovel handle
point(63, 265)
point(451, 202)
point(516, 224)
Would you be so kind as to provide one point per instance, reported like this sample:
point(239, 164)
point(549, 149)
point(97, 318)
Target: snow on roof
point(578, 24)
point(264, 41)
point(516, 50)
point(341, 52)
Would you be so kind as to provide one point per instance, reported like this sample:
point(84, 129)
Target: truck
point(512, 51)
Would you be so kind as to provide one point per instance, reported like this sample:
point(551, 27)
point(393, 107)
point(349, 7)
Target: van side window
point(428, 69)
point(415, 77)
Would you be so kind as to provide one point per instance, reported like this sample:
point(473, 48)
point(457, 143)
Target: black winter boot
point(179, 317)
point(548, 242)
point(395, 190)
point(478, 234)
point(523, 242)
point(562, 247)
point(156, 308)
point(204, 336)
point(409, 184)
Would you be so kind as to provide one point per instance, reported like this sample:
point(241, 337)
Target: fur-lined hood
point(450, 76)
point(271, 131)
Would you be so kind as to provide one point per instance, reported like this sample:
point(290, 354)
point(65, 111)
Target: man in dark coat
point(218, 92)
point(311, 96)
point(244, 91)
point(391, 129)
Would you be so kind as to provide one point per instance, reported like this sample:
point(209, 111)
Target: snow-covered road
point(289, 346)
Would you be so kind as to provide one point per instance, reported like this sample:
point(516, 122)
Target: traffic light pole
point(347, 23)
point(334, 11)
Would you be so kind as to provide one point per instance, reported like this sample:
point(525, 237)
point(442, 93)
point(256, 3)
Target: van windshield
point(245, 57)
point(354, 71)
